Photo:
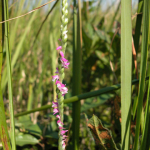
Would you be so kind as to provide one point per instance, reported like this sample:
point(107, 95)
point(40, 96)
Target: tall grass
point(3, 126)
point(9, 77)
point(144, 55)
point(76, 73)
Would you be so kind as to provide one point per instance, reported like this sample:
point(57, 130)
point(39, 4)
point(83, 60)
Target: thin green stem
point(76, 72)
point(79, 97)
point(144, 53)
point(8, 58)
point(3, 126)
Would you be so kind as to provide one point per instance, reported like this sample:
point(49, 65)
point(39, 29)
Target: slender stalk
point(126, 68)
point(80, 97)
point(138, 25)
point(3, 126)
point(144, 53)
point(76, 74)
point(136, 43)
point(146, 120)
point(8, 59)
point(30, 99)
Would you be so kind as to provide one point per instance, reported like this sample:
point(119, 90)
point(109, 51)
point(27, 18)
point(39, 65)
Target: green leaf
point(102, 135)
point(25, 139)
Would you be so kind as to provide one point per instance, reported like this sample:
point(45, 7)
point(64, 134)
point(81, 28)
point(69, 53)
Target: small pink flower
point(64, 90)
point(66, 64)
point(64, 60)
point(63, 132)
point(60, 128)
point(61, 54)
point(56, 77)
point(63, 144)
point(55, 104)
point(59, 47)
point(58, 116)
point(60, 124)
point(64, 137)
point(59, 39)
point(58, 83)
point(55, 111)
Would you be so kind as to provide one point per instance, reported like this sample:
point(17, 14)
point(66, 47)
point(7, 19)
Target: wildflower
point(56, 77)
point(60, 124)
point(55, 111)
point(63, 132)
point(55, 104)
point(59, 47)
point(64, 90)
point(61, 54)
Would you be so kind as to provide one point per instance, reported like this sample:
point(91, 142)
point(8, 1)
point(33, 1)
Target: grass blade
point(8, 59)
point(126, 68)
point(79, 97)
point(76, 73)
point(146, 120)
point(136, 43)
point(3, 126)
point(138, 25)
point(144, 53)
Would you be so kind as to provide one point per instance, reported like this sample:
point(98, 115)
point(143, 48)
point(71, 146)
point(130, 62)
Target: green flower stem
point(64, 20)
point(81, 96)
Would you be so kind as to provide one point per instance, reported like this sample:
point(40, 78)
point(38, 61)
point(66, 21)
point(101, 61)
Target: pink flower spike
point(61, 53)
point(59, 48)
point(63, 132)
point(55, 111)
point(56, 77)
